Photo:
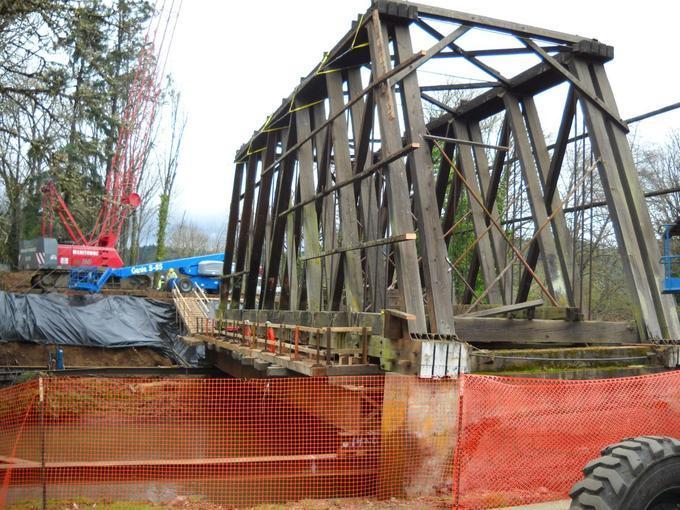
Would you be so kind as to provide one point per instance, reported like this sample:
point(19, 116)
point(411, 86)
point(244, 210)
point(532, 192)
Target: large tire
point(184, 285)
point(641, 473)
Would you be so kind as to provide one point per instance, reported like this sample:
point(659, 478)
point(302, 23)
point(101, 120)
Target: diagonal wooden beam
point(554, 276)
point(550, 180)
point(468, 56)
point(244, 228)
point(576, 82)
point(480, 222)
point(282, 199)
point(257, 239)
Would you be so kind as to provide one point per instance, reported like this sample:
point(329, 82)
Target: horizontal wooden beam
point(467, 142)
point(500, 310)
point(409, 236)
point(499, 25)
point(578, 84)
point(404, 151)
point(233, 275)
point(524, 331)
point(302, 366)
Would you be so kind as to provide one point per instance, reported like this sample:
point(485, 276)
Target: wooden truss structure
point(350, 191)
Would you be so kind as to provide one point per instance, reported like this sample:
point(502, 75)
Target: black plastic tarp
point(93, 320)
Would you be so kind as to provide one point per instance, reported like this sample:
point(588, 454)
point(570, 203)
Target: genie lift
point(671, 261)
point(203, 271)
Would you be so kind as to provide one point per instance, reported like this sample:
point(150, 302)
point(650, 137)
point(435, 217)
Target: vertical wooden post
point(244, 230)
point(260, 224)
point(353, 274)
point(654, 313)
point(364, 346)
point(408, 272)
point(438, 282)
point(309, 219)
point(329, 336)
point(480, 223)
point(231, 231)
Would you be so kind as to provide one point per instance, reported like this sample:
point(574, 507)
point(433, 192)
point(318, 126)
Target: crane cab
point(671, 259)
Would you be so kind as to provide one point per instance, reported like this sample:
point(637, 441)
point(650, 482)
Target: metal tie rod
point(467, 142)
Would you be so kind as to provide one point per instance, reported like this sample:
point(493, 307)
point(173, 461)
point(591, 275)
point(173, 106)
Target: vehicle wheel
point(641, 473)
point(184, 285)
point(140, 281)
point(36, 281)
point(49, 280)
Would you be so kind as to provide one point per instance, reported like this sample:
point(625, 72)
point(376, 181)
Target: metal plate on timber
point(433, 337)
point(396, 9)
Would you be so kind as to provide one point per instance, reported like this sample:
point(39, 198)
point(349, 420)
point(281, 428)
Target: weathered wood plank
point(484, 246)
point(281, 200)
point(500, 310)
point(409, 236)
point(396, 185)
point(549, 190)
point(244, 228)
point(325, 207)
point(353, 275)
point(310, 224)
point(553, 271)
point(260, 222)
point(231, 228)
point(563, 241)
point(523, 331)
point(438, 284)
point(362, 127)
point(616, 183)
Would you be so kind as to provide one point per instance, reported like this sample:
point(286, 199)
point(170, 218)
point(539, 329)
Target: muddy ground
point(428, 503)
point(25, 354)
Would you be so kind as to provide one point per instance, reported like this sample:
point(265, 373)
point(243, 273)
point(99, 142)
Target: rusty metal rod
point(493, 220)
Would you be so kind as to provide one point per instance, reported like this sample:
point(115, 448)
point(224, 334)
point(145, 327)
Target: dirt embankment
point(23, 354)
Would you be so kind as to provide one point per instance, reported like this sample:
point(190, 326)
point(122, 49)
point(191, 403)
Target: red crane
point(98, 247)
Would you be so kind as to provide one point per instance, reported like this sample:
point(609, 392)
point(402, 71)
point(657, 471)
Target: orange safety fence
point(225, 443)
point(479, 442)
point(525, 441)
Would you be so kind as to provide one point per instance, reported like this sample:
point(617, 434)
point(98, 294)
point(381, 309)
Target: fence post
point(329, 335)
point(43, 477)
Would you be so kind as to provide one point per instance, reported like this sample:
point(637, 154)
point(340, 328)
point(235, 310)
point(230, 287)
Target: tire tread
point(609, 478)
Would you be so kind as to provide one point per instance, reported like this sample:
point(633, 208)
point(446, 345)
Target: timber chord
point(363, 200)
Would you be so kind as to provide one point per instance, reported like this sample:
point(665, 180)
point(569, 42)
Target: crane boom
point(98, 247)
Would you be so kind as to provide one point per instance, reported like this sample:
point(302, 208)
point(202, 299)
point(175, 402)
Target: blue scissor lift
point(671, 259)
point(203, 271)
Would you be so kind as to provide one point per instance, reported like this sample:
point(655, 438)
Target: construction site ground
point(196, 504)
point(25, 355)
point(430, 503)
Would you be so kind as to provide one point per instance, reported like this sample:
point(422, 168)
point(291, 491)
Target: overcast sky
point(235, 61)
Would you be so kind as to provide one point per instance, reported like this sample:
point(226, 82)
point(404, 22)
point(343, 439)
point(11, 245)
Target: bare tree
point(659, 170)
point(168, 171)
point(188, 240)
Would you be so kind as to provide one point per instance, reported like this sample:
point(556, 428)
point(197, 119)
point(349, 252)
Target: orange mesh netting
point(230, 442)
point(527, 440)
point(240, 443)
